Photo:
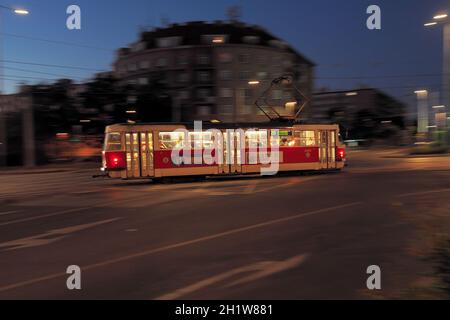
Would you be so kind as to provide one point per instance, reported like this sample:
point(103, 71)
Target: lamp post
point(422, 113)
point(3, 132)
point(443, 19)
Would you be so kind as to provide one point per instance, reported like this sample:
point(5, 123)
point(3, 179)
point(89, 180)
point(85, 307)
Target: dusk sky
point(333, 34)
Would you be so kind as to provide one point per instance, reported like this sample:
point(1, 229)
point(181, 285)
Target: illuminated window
point(256, 138)
point(305, 138)
point(215, 39)
point(285, 139)
point(170, 140)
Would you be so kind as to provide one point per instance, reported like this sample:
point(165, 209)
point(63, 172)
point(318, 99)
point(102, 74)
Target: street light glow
point(21, 11)
point(421, 92)
point(253, 83)
point(440, 16)
point(438, 107)
point(429, 24)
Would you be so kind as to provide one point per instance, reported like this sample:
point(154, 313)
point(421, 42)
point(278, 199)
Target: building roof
point(192, 34)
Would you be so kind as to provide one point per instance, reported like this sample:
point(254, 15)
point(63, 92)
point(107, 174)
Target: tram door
point(327, 149)
point(139, 150)
point(232, 153)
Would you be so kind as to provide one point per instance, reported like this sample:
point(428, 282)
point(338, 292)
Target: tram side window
point(305, 138)
point(170, 140)
point(285, 139)
point(256, 139)
point(113, 142)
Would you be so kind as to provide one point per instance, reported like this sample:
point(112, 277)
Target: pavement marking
point(49, 236)
point(110, 204)
point(179, 245)
point(8, 212)
point(260, 269)
point(44, 216)
point(422, 193)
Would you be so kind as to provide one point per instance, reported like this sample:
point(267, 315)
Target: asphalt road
point(286, 237)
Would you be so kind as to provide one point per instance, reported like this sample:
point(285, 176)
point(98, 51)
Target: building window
point(244, 58)
point(203, 93)
point(263, 75)
point(183, 77)
point(225, 57)
point(251, 39)
point(161, 62)
point(132, 67)
point(226, 109)
point(203, 110)
point(215, 38)
point(143, 81)
point(184, 95)
point(144, 64)
point(203, 59)
point(168, 42)
point(183, 60)
point(277, 44)
point(248, 109)
point(226, 92)
point(244, 75)
point(204, 76)
point(226, 75)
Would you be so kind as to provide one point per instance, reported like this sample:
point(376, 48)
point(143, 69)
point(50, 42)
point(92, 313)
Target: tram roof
point(210, 125)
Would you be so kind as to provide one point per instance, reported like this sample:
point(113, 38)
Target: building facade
point(207, 67)
point(362, 114)
point(16, 130)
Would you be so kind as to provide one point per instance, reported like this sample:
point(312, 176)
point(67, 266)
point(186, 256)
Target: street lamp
point(442, 18)
point(17, 11)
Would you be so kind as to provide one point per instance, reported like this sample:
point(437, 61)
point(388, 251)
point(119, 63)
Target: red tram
point(138, 151)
